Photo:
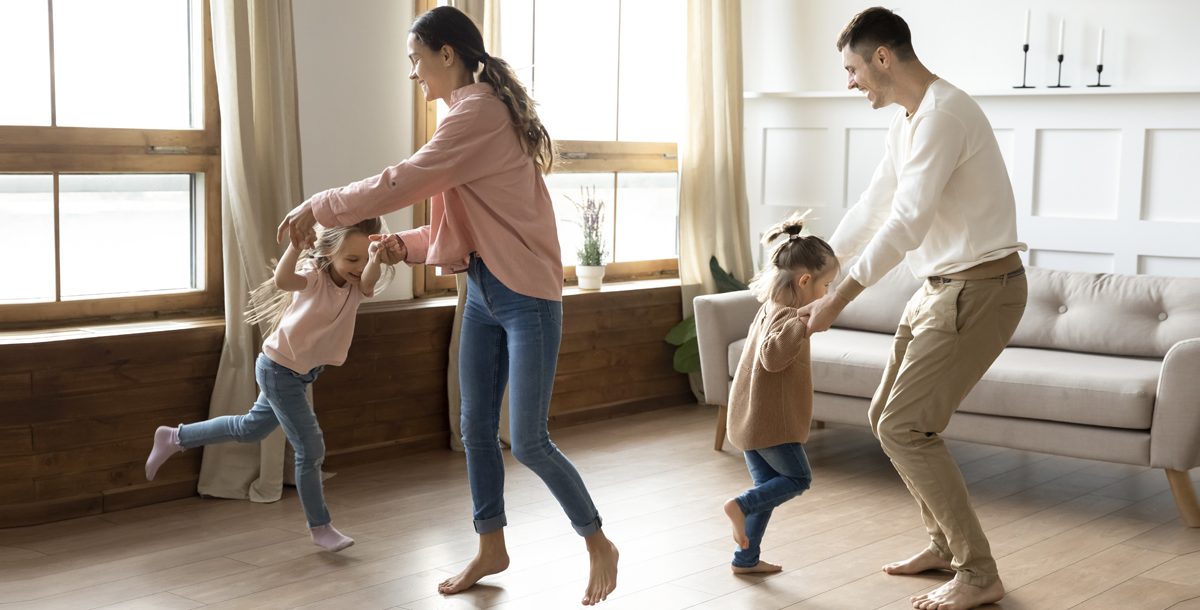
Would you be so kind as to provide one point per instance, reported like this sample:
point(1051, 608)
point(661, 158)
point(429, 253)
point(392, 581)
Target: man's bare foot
point(761, 567)
point(602, 578)
point(738, 519)
point(486, 562)
point(921, 562)
point(956, 595)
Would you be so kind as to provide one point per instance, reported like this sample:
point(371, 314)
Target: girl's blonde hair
point(796, 254)
point(446, 25)
point(268, 302)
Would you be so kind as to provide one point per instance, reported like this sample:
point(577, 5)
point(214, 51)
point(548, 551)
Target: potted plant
point(590, 268)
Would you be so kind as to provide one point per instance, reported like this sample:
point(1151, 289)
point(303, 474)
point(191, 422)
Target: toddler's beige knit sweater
point(770, 402)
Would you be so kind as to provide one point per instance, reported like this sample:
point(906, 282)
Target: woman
point(491, 217)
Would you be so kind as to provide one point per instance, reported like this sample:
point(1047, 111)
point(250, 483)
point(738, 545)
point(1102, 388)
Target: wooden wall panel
point(79, 413)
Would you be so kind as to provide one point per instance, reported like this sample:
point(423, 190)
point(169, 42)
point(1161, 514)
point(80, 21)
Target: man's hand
point(823, 311)
point(299, 226)
point(390, 247)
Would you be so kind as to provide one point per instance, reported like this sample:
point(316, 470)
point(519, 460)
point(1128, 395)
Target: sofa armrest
point(721, 319)
point(1175, 431)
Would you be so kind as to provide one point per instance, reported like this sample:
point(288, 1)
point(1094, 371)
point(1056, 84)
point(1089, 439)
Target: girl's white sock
point(166, 444)
point(327, 537)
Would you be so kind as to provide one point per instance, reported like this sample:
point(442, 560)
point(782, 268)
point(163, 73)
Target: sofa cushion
point(849, 362)
point(1049, 385)
point(1104, 313)
point(1094, 389)
point(735, 355)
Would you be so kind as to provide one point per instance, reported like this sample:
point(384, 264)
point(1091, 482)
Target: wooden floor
point(1067, 533)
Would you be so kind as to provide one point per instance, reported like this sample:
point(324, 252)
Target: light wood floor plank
point(1066, 532)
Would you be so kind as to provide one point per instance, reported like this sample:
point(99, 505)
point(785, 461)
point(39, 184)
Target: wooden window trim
point(46, 150)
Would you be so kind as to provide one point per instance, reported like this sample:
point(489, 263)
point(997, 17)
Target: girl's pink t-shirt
point(317, 327)
point(488, 197)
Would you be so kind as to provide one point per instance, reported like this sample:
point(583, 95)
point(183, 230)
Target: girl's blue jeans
point(512, 339)
point(282, 401)
point(780, 473)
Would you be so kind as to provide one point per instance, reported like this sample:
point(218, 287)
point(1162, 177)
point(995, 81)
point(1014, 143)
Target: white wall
point(788, 45)
point(355, 99)
point(1099, 175)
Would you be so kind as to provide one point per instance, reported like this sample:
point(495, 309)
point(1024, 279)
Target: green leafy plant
point(683, 335)
point(591, 219)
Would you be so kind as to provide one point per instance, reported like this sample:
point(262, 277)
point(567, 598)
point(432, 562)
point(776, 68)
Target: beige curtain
point(713, 210)
point(486, 14)
point(260, 182)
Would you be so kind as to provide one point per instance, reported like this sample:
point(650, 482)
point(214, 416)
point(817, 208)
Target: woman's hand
point(299, 225)
point(391, 248)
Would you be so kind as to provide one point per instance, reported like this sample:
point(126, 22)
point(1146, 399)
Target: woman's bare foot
point(738, 519)
point(956, 595)
point(492, 558)
point(761, 567)
point(602, 578)
point(921, 562)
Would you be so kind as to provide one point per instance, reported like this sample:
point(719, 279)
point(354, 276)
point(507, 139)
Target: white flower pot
point(590, 278)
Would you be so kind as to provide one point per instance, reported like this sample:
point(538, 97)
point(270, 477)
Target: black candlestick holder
point(1024, 68)
point(1059, 85)
point(1099, 69)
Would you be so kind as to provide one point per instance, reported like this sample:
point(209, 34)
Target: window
point(109, 159)
point(608, 77)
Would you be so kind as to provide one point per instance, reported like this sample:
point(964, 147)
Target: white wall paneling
point(1171, 266)
point(1101, 175)
point(1076, 173)
point(1096, 262)
point(1169, 193)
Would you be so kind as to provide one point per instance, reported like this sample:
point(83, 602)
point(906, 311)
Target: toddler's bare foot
point(738, 519)
point(761, 567)
point(921, 562)
point(956, 595)
point(485, 563)
point(602, 578)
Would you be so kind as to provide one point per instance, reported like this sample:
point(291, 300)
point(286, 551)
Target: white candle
point(1062, 27)
point(1100, 49)
point(1026, 26)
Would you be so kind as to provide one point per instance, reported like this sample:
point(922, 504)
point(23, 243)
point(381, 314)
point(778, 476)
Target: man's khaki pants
point(949, 335)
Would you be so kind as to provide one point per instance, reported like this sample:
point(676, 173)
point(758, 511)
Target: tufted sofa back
point(879, 307)
point(1105, 313)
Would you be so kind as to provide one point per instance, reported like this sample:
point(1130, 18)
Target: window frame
point(54, 150)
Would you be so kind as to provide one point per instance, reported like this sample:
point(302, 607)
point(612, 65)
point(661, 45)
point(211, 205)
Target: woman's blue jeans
point(512, 339)
point(780, 473)
point(282, 401)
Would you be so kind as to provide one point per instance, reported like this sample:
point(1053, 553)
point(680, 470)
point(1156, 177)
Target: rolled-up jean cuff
point(590, 528)
point(486, 526)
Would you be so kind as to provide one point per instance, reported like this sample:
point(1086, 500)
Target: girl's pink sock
point(327, 537)
point(166, 444)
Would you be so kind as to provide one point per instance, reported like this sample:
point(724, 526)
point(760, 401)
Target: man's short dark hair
point(877, 27)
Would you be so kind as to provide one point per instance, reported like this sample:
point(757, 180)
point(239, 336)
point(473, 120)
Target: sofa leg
point(1185, 496)
point(818, 425)
point(722, 412)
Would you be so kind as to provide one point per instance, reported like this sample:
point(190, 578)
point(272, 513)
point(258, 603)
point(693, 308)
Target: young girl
point(490, 217)
point(310, 310)
point(770, 403)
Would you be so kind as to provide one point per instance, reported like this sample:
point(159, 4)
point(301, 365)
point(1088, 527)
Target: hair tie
point(484, 57)
point(793, 236)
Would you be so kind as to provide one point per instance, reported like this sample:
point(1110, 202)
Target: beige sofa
point(1103, 366)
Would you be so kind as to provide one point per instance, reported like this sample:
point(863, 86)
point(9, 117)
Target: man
point(941, 201)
